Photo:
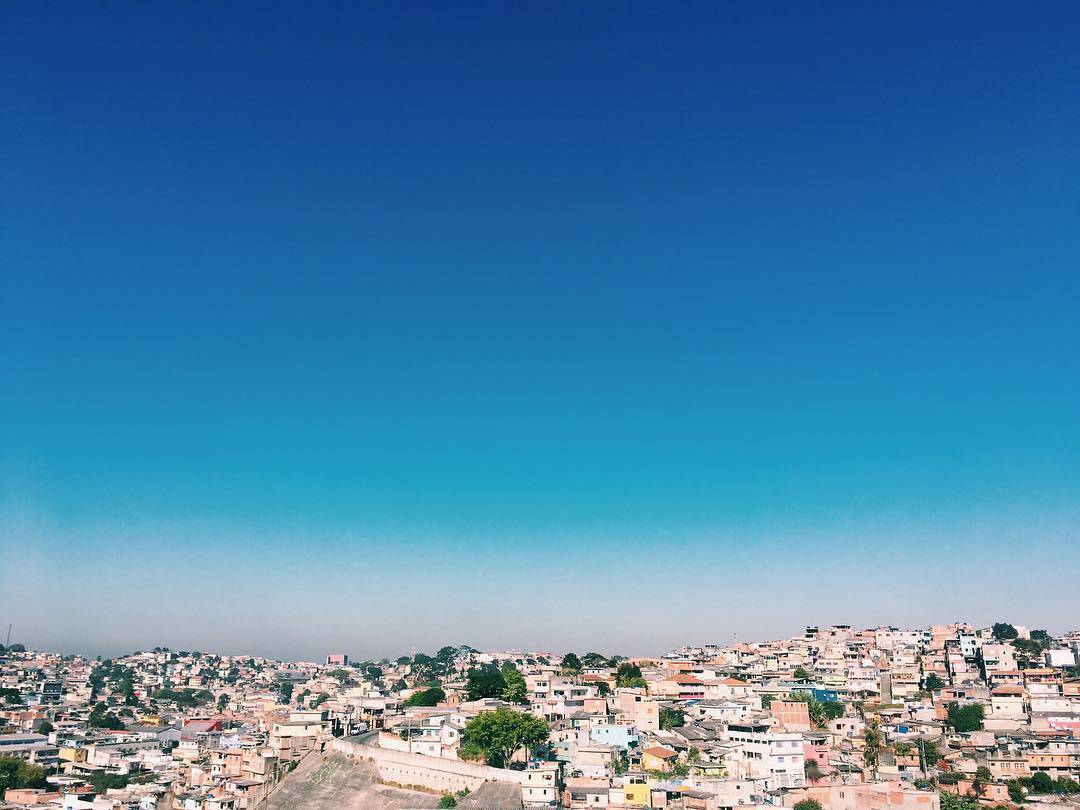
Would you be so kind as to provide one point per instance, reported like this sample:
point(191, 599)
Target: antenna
point(8, 642)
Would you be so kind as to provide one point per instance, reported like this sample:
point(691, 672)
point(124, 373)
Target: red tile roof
point(660, 752)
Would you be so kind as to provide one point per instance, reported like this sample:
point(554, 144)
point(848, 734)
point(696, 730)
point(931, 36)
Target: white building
point(763, 753)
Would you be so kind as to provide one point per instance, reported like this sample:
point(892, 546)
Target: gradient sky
point(563, 325)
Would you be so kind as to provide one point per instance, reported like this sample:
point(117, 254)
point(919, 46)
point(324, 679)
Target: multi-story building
point(765, 754)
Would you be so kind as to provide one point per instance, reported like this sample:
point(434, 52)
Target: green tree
point(831, 710)
point(571, 664)
point(1067, 786)
point(811, 770)
point(933, 682)
point(446, 660)
point(594, 659)
point(502, 733)
point(486, 681)
point(516, 690)
point(671, 718)
point(471, 752)
point(622, 761)
point(928, 750)
point(1044, 639)
point(102, 780)
point(800, 674)
point(45, 728)
point(1042, 782)
point(1003, 631)
point(427, 697)
point(820, 711)
point(766, 701)
point(447, 801)
point(426, 669)
point(966, 718)
point(628, 675)
point(1029, 651)
point(100, 718)
point(950, 801)
point(18, 773)
point(222, 702)
point(1016, 792)
point(808, 804)
point(902, 748)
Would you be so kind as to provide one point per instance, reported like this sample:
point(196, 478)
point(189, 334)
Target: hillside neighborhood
point(949, 717)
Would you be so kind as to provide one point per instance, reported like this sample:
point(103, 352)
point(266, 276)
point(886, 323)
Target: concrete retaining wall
point(430, 772)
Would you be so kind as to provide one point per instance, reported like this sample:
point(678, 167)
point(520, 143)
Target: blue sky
point(411, 324)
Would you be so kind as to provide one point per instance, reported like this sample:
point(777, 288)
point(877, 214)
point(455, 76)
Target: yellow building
point(637, 793)
point(70, 753)
point(658, 758)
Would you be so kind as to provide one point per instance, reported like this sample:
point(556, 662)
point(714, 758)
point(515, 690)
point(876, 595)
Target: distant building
point(337, 659)
point(51, 692)
point(1061, 658)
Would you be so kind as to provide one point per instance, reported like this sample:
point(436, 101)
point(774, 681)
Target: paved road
point(367, 738)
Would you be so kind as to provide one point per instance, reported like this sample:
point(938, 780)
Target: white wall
point(430, 772)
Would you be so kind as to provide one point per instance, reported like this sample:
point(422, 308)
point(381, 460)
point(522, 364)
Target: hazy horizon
point(819, 576)
point(364, 327)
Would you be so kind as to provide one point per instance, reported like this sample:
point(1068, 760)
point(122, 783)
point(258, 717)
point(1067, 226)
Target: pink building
point(816, 747)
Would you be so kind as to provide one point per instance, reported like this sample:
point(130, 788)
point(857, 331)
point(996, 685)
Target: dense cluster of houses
point(156, 729)
point(850, 719)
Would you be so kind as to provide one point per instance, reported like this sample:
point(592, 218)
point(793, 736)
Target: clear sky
point(564, 325)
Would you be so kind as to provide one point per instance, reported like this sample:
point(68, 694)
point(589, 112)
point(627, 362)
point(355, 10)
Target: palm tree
point(872, 744)
point(814, 708)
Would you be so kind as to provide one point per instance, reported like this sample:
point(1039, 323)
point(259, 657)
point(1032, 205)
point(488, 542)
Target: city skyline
point(341, 655)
